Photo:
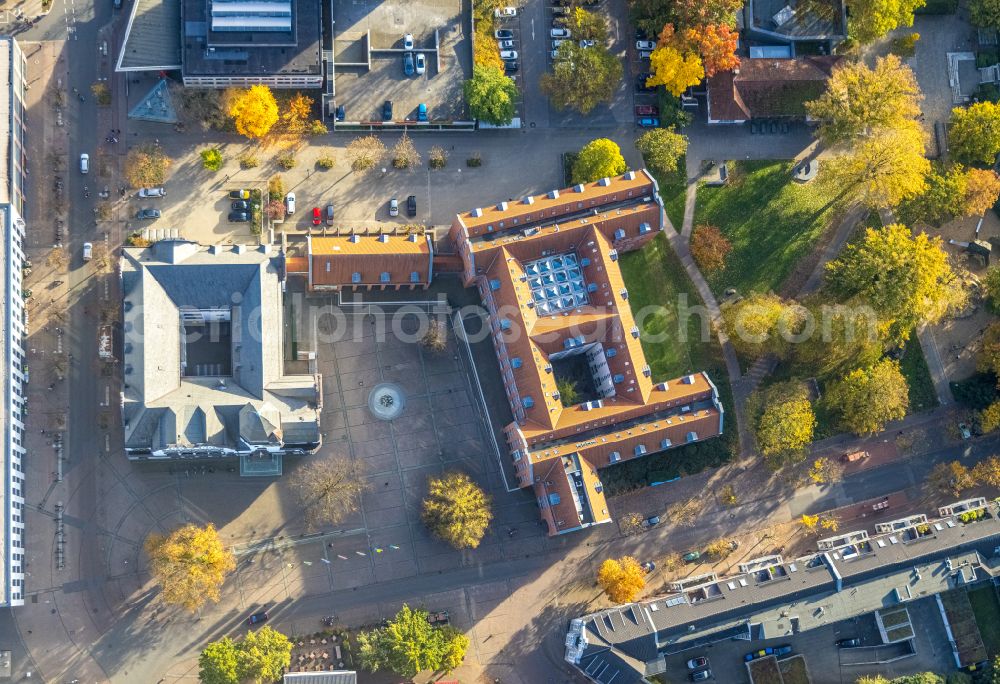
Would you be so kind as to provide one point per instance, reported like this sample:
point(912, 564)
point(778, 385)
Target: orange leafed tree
point(622, 579)
point(254, 111)
point(709, 248)
point(297, 112)
point(716, 43)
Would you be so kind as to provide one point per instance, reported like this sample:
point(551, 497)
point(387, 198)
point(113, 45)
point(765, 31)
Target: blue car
point(341, 113)
point(649, 122)
point(753, 655)
point(421, 112)
point(408, 63)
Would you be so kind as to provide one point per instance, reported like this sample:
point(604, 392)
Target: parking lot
point(205, 221)
point(369, 53)
point(826, 662)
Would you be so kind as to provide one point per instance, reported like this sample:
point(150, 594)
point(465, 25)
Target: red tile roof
point(763, 88)
point(336, 260)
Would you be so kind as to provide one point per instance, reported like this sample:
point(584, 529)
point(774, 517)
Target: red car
point(317, 216)
point(647, 110)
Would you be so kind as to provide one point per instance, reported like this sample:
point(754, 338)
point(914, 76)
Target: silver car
point(393, 207)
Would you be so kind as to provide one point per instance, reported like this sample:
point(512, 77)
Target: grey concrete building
point(204, 358)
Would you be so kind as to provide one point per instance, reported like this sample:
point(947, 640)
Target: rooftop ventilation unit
point(605, 182)
point(412, 237)
point(553, 194)
point(502, 206)
point(579, 187)
point(239, 249)
point(477, 212)
point(529, 200)
point(354, 238)
point(630, 175)
point(383, 238)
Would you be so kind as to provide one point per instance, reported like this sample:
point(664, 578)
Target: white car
point(421, 63)
point(586, 43)
point(408, 41)
point(560, 33)
point(505, 44)
point(290, 203)
point(393, 207)
point(554, 54)
point(556, 44)
point(88, 251)
point(508, 54)
point(645, 45)
point(84, 163)
point(505, 12)
point(152, 192)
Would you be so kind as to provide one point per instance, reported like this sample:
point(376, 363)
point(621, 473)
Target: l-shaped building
point(546, 267)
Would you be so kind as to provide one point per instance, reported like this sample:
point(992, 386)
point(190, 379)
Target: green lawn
point(918, 376)
point(772, 222)
point(987, 610)
point(672, 189)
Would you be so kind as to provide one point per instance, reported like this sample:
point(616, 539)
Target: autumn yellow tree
point(254, 111)
point(674, 70)
point(982, 188)
point(297, 113)
point(825, 471)
point(190, 564)
point(621, 579)
point(457, 510)
point(785, 423)
point(987, 471)
point(951, 478)
point(883, 170)
point(809, 522)
point(867, 398)
point(761, 323)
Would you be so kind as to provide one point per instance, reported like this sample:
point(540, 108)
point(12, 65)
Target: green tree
point(860, 100)
point(662, 149)
point(761, 323)
point(263, 655)
point(785, 424)
point(491, 96)
point(988, 358)
point(882, 170)
point(582, 78)
point(985, 13)
point(942, 200)
point(974, 133)
point(847, 336)
point(457, 510)
point(600, 158)
point(409, 644)
point(568, 394)
point(190, 564)
point(867, 398)
point(211, 158)
point(588, 25)
point(219, 663)
point(905, 278)
point(991, 288)
point(871, 19)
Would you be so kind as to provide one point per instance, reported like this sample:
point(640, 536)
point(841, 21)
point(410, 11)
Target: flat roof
point(152, 37)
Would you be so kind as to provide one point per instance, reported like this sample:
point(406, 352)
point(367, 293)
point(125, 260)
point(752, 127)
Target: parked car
point(510, 66)
point(691, 556)
point(240, 205)
point(964, 430)
point(508, 54)
point(421, 112)
point(652, 521)
point(554, 55)
point(239, 217)
point(151, 192)
point(649, 566)
point(700, 676)
point(784, 649)
point(560, 33)
point(697, 663)
point(503, 34)
point(411, 206)
point(587, 43)
point(257, 618)
point(556, 43)
point(645, 45)
point(648, 122)
point(505, 12)
point(421, 63)
point(560, 11)
point(387, 110)
point(84, 163)
point(239, 194)
point(408, 41)
point(393, 207)
point(290, 203)
point(760, 653)
point(645, 54)
point(146, 214)
point(647, 110)
point(88, 251)
point(505, 44)
point(341, 113)
point(408, 63)
point(853, 642)
point(317, 216)
point(329, 214)
point(640, 83)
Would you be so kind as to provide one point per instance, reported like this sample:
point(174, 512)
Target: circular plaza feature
point(386, 401)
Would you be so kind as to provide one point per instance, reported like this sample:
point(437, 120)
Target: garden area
point(771, 221)
point(793, 670)
point(765, 671)
point(986, 608)
point(964, 629)
point(913, 365)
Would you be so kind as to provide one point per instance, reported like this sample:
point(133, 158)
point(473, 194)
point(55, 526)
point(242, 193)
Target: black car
point(411, 206)
point(510, 66)
point(341, 113)
point(849, 643)
point(147, 214)
point(240, 205)
point(257, 618)
point(239, 217)
point(640, 83)
point(387, 110)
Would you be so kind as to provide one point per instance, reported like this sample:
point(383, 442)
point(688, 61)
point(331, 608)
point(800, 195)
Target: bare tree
point(102, 258)
point(436, 337)
point(57, 258)
point(404, 154)
point(330, 488)
point(365, 153)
